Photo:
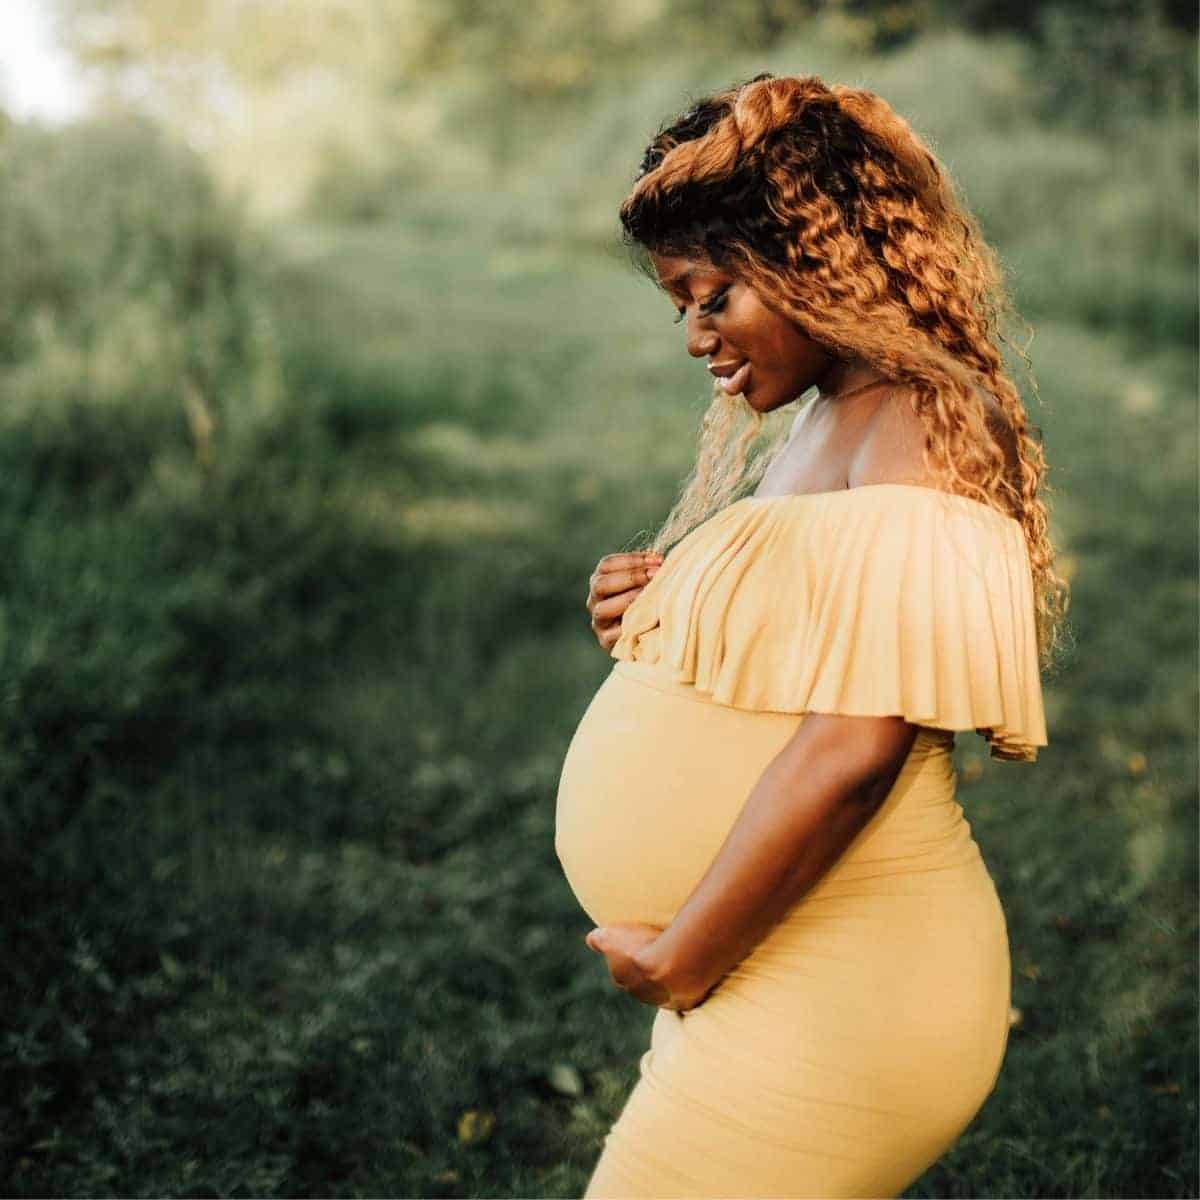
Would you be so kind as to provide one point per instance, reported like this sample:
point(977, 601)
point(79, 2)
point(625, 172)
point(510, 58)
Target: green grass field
point(285, 707)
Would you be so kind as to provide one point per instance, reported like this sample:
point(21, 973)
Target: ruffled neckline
point(902, 488)
point(881, 599)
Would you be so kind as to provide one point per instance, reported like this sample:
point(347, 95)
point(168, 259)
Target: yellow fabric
point(877, 600)
point(857, 1041)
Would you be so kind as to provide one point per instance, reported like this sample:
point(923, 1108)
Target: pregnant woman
point(758, 809)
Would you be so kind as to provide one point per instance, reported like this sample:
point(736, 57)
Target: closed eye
point(714, 305)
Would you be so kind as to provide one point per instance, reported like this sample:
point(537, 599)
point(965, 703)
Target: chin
point(760, 403)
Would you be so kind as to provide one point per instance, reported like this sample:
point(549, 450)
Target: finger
point(611, 609)
point(627, 561)
point(606, 634)
point(603, 587)
point(610, 635)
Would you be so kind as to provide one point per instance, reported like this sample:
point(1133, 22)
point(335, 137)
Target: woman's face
point(764, 355)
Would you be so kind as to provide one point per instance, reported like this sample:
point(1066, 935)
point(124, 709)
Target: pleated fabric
point(884, 599)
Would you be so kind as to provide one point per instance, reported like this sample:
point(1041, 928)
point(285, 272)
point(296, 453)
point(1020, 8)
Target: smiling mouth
point(737, 382)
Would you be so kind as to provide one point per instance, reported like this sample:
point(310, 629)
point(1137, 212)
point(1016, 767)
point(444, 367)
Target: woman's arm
point(807, 807)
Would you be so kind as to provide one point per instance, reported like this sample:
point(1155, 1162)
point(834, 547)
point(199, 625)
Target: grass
point(282, 910)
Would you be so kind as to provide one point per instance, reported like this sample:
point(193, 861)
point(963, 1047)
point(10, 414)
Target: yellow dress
point(850, 1049)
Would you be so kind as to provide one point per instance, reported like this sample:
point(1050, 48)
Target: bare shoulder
point(891, 449)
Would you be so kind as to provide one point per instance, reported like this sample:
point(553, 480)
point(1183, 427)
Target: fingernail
point(651, 569)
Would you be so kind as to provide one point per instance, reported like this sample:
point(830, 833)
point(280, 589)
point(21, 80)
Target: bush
point(131, 324)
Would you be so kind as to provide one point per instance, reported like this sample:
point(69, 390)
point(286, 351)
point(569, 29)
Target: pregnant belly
point(656, 775)
point(652, 782)
point(876, 1012)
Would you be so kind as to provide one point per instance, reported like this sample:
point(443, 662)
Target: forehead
point(677, 272)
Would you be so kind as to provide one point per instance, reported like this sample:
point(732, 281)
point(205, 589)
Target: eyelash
point(708, 309)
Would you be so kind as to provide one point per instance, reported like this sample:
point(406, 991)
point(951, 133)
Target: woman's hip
point(913, 980)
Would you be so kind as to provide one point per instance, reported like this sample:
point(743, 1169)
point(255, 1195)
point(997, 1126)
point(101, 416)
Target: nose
point(701, 337)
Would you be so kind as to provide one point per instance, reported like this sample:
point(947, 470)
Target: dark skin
point(727, 322)
point(829, 780)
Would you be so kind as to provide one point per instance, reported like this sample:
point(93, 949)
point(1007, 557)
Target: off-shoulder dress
point(851, 1048)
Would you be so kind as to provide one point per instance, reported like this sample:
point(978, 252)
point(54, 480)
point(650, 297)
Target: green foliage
point(1107, 65)
point(284, 704)
point(1094, 224)
point(130, 324)
point(357, 102)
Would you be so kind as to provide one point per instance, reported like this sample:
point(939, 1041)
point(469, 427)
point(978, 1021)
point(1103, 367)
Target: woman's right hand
point(615, 583)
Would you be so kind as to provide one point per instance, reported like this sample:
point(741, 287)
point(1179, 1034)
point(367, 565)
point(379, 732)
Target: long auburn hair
point(825, 202)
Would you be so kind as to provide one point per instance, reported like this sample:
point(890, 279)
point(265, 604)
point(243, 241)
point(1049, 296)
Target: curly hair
point(826, 203)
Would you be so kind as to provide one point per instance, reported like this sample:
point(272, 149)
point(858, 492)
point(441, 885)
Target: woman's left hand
point(628, 947)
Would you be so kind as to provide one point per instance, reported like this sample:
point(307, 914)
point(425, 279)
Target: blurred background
point(326, 383)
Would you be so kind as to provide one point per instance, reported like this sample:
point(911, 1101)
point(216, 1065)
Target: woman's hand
point(617, 580)
point(628, 947)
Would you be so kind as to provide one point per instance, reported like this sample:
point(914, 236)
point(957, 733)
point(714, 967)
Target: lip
point(725, 370)
point(733, 377)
